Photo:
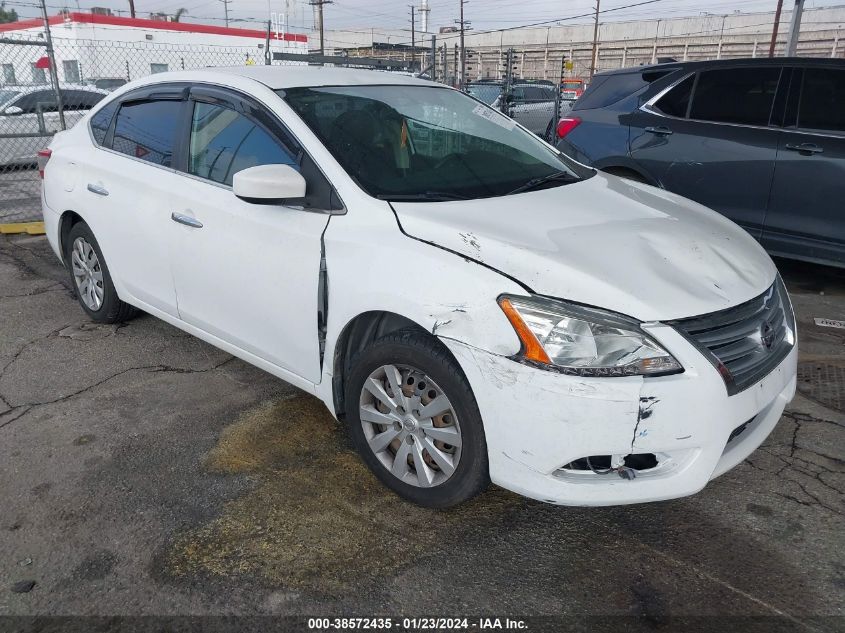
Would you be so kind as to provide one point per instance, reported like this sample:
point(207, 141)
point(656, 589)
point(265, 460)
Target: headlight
point(584, 341)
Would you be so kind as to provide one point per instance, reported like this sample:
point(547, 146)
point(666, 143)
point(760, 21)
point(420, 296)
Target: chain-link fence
point(32, 110)
point(44, 90)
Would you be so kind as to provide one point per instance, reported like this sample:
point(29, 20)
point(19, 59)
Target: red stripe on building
point(140, 23)
point(29, 24)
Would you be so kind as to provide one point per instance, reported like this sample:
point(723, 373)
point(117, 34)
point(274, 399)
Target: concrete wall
point(540, 50)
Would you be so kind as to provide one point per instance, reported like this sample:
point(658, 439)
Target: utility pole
point(131, 8)
point(226, 11)
point(775, 29)
point(794, 28)
point(594, 60)
point(413, 37)
point(463, 24)
point(319, 4)
point(51, 56)
point(433, 57)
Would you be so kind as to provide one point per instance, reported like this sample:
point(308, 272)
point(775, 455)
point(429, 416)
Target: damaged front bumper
point(675, 432)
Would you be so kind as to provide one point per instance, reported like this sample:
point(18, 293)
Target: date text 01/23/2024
point(415, 624)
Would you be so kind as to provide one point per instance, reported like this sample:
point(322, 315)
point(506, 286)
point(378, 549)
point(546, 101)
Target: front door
point(708, 139)
point(806, 217)
point(246, 273)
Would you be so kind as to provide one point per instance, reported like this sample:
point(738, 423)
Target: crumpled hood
point(604, 242)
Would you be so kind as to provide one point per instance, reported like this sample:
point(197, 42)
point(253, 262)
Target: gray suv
point(762, 141)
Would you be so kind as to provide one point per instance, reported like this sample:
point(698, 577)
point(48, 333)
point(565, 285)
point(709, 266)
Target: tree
point(7, 15)
point(179, 13)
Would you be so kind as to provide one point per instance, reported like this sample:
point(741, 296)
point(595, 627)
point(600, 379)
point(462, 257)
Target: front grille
point(747, 341)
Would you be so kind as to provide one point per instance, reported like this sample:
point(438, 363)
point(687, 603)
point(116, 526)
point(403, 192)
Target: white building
point(91, 46)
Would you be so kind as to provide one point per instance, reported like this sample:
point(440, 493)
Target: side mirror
point(268, 184)
point(12, 110)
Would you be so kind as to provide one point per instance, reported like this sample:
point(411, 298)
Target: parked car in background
point(760, 140)
point(531, 104)
point(470, 303)
point(33, 110)
point(485, 91)
point(571, 88)
point(106, 83)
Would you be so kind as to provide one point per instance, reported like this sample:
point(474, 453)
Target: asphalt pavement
point(144, 472)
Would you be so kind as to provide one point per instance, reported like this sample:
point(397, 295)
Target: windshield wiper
point(431, 196)
point(542, 180)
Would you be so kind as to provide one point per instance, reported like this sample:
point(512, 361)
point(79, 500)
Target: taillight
point(43, 157)
point(565, 126)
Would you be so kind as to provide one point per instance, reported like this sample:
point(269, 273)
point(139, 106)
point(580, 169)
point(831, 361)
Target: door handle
point(805, 148)
point(187, 220)
point(660, 130)
point(98, 189)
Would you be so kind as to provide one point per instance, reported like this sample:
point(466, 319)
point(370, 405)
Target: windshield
point(7, 95)
point(418, 142)
point(488, 93)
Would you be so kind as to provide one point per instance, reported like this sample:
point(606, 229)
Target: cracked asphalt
point(143, 472)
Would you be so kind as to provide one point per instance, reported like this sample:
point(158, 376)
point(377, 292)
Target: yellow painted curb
point(33, 228)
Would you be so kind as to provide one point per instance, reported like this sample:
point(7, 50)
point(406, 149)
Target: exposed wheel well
point(358, 334)
point(68, 219)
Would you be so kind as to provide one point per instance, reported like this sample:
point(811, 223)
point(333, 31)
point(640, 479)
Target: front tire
point(415, 422)
point(91, 280)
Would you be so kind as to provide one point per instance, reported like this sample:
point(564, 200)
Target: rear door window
point(676, 101)
point(148, 130)
point(735, 95)
point(822, 104)
point(80, 99)
point(43, 100)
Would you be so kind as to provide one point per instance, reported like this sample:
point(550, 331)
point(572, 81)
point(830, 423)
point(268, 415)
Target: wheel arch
point(67, 221)
point(622, 167)
point(356, 335)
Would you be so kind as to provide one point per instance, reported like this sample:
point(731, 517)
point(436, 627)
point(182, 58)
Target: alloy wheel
point(87, 273)
point(410, 425)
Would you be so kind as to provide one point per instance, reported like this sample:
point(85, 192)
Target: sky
point(395, 14)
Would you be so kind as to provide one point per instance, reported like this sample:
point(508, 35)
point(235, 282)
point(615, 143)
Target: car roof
point(720, 63)
point(38, 87)
point(279, 77)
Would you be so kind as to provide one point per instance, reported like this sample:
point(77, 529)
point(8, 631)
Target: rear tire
point(91, 280)
point(427, 444)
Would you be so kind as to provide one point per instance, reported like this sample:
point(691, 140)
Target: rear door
point(126, 190)
point(709, 137)
point(806, 217)
point(534, 108)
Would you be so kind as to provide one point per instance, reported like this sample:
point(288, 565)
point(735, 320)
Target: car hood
point(605, 242)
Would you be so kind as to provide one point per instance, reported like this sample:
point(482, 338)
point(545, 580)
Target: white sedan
point(29, 116)
point(468, 302)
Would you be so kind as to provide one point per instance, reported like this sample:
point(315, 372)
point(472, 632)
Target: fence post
point(267, 55)
point(54, 74)
point(434, 58)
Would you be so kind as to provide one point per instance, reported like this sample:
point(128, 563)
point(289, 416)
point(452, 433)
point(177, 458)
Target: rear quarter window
point(609, 89)
point(101, 121)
